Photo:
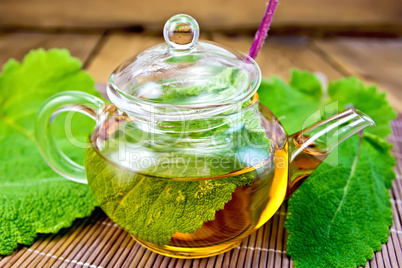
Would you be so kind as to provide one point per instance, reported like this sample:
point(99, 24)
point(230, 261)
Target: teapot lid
point(184, 72)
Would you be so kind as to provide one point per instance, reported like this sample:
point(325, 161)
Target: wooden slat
point(212, 14)
point(280, 54)
point(16, 45)
point(376, 61)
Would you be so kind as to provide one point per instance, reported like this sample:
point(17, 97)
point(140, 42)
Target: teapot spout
point(309, 147)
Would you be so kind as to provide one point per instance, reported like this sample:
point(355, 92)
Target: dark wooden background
point(380, 16)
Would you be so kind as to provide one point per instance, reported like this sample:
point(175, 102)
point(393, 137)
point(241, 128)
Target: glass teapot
point(186, 159)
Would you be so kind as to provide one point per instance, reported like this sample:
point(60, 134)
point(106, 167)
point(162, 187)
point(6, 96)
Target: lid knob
point(181, 32)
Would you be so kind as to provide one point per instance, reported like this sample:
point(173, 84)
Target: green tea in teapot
point(178, 199)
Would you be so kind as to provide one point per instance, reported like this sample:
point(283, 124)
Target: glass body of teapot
point(186, 159)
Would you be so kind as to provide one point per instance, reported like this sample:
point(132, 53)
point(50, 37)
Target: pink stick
point(263, 30)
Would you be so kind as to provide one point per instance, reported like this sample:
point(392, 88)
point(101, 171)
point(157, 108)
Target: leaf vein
point(17, 127)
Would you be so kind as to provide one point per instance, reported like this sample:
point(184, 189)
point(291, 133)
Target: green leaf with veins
point(33, 198)
point(293, 104)
point(342, 213)
point(154, 209)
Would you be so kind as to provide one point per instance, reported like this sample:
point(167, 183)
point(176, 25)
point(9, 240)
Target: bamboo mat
point(97, 242)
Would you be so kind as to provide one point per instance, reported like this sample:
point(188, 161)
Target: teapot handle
point(68, 101)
